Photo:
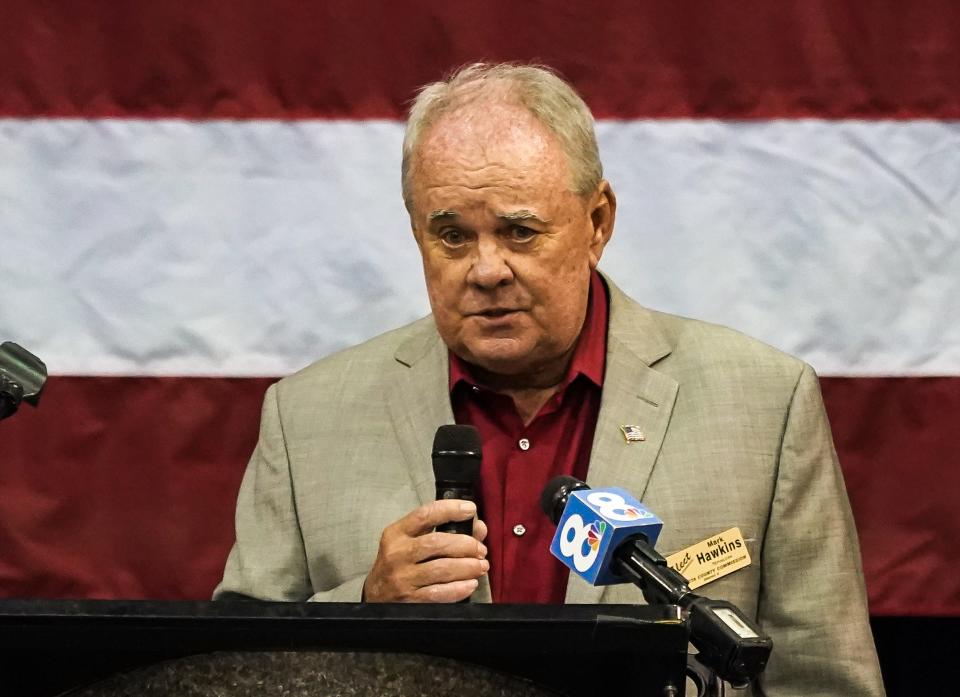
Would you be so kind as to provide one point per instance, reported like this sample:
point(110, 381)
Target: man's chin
point(500, 356)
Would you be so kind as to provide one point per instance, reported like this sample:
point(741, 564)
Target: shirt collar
point(589, 356)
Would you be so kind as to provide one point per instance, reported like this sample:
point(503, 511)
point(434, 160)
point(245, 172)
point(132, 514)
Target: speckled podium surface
point(312, 674)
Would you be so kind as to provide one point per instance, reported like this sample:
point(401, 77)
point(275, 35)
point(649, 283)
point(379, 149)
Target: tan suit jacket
point(736, 435)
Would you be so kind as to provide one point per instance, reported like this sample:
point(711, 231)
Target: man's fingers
point(430, 515)
point(445, 592)
point(438, 580)
point(435, 545)
point(479, 530)
point(416, 563)
point(440, 571)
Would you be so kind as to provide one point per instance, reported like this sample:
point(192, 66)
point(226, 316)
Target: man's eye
point(521, 233)
point(453, 237)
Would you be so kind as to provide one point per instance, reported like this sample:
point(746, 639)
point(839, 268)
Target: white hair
point(537, 88)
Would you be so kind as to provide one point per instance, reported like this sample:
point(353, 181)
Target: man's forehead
point(491, 158)
point(480, 133)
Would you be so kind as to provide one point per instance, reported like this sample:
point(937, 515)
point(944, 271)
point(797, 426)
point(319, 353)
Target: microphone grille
point(457, 438)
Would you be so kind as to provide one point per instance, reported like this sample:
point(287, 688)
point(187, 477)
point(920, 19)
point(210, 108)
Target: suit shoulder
point(367, 361)
point(714, 347)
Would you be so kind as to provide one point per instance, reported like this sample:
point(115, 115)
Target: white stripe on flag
point(168, 247)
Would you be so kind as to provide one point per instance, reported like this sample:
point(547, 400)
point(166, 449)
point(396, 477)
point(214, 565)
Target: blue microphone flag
point(593, 524)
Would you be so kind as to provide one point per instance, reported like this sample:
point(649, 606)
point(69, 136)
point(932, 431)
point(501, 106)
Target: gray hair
point(537, 88)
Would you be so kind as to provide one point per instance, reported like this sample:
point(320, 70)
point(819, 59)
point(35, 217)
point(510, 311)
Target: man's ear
point(603, 214)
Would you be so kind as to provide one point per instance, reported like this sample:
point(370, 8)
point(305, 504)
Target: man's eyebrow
point(509, 216)
point(520, 215)
point(442, 213)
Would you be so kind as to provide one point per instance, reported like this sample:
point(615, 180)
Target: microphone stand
point(730, 647)
point(707, 681)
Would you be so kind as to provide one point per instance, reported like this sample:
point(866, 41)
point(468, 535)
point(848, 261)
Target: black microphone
point(22, 376)
point(729, 643)
point(456, 468)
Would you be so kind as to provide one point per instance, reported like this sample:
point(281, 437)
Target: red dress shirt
point(519, 460)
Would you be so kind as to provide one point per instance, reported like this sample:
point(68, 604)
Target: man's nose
point(490, 266)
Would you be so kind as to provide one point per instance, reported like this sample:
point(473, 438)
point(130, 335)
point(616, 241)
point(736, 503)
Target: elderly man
point(552, 363)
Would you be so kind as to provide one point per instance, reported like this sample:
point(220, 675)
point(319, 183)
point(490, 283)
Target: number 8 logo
point(613, 506)
point(573, 537)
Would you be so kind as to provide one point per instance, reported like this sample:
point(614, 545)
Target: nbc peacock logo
point(595, 535)
point(580, 542)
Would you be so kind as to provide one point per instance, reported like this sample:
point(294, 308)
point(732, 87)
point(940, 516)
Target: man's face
point(507, 246)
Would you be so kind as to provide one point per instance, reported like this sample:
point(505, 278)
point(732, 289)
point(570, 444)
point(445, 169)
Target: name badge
point(711, 559)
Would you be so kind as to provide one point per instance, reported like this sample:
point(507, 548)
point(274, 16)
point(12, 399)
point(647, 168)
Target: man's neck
point(529, 391)
point(528, 403)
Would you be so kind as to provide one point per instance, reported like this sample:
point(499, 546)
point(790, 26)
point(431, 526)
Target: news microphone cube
point(594, 523)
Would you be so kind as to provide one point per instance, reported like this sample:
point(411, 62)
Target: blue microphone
point(606, 536)
point(592, 524)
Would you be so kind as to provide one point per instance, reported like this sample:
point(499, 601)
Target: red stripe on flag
point(897, 441)
point(125, 487)
point(631, 59)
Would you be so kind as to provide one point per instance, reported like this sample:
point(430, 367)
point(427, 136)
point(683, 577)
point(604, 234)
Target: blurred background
point(199, 197)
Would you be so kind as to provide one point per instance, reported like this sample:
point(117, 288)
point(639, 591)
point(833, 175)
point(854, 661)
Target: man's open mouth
point(496, 312)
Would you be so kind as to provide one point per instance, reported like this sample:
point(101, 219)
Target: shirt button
point(519, 530)
point(524, 445)
point(475, 388)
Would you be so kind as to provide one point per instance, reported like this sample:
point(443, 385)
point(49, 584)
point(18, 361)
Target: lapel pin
point(633, 434)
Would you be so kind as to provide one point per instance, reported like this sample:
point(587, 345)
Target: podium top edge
point(19, 610)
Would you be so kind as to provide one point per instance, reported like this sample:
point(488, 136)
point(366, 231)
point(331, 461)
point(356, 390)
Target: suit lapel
point(634, 394)
point(419, 403)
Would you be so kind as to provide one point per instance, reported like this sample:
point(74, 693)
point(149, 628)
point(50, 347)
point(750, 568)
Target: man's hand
point(416, 564)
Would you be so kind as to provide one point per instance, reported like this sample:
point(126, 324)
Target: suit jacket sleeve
point(812, 599)
point(268, 561)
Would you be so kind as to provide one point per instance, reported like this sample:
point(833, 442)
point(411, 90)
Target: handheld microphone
point(456, 468)
point(606, 536)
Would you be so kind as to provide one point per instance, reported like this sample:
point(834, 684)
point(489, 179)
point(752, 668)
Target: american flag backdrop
point(198, 197)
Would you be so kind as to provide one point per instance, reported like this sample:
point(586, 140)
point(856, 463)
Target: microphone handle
point(456, 490)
